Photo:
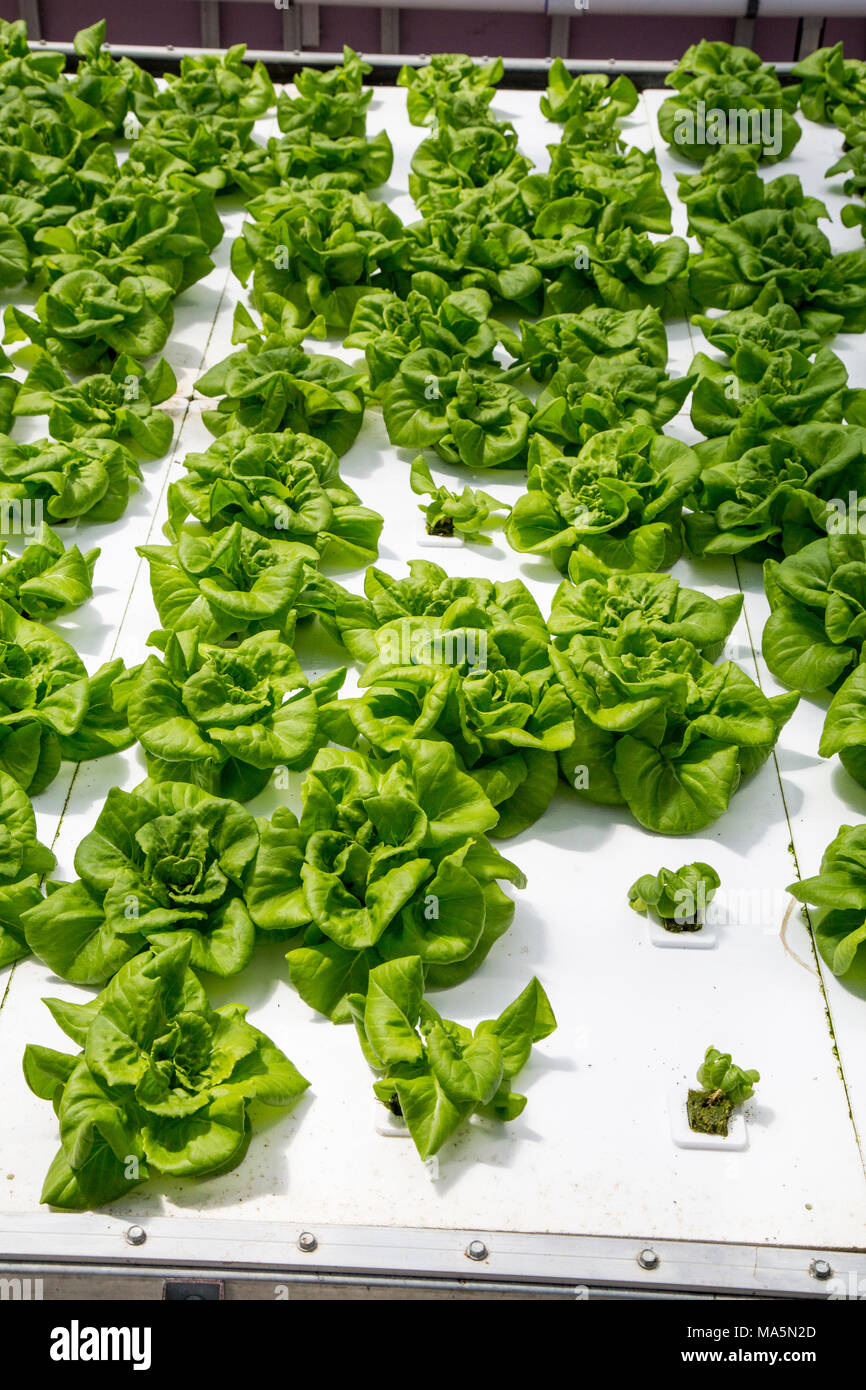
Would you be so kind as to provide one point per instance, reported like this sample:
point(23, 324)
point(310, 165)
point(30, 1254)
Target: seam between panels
point(818, 963)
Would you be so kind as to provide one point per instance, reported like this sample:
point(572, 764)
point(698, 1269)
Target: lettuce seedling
point(497, 203)
point(597, 189)
point(488, 690)
point(467, 513)
point(726, 95)
point(436, 1073)
point(102, 89)
point(496, 256)
point(463, 108)
point(213, 150)
point(678, 897)
point(724, 1085)
point(139, 230)
point(48, 172)
point(24, 62)
point(769, 324)
point(335, 114)
point(580, 401)
point(92, 99)
point(163, 1084)
point(729, 185)
point(725, 60)
point(427, 592)
point(757, 391)
point(312, 159)
point(330, 83)
point(620, 268)
point(319, 250)
point(465, 655)
point(464, 160)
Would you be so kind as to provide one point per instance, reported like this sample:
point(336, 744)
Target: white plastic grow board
point(632, 1019)
point(704, 939)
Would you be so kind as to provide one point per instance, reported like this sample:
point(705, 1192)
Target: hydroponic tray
point(588, 1186)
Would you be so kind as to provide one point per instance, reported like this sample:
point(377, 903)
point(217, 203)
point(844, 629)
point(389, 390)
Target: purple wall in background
point(359, 28)
point(478, 32)
point(127, 22)
point(851, 32)
point(236, 26)
point(430, 31)
point(651, 37)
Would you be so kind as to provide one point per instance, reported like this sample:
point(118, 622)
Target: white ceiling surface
point(592, 1152)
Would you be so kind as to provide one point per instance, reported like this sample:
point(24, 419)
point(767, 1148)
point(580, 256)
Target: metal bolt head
point(648, 1259)
point(477, 1250)
point(136, 1235)
point(307, 1242)
point(820, 1269)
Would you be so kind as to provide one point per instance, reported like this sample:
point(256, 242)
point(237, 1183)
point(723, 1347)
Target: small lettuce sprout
point(723, 1085)
point(467, 513)
point(680, 897)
